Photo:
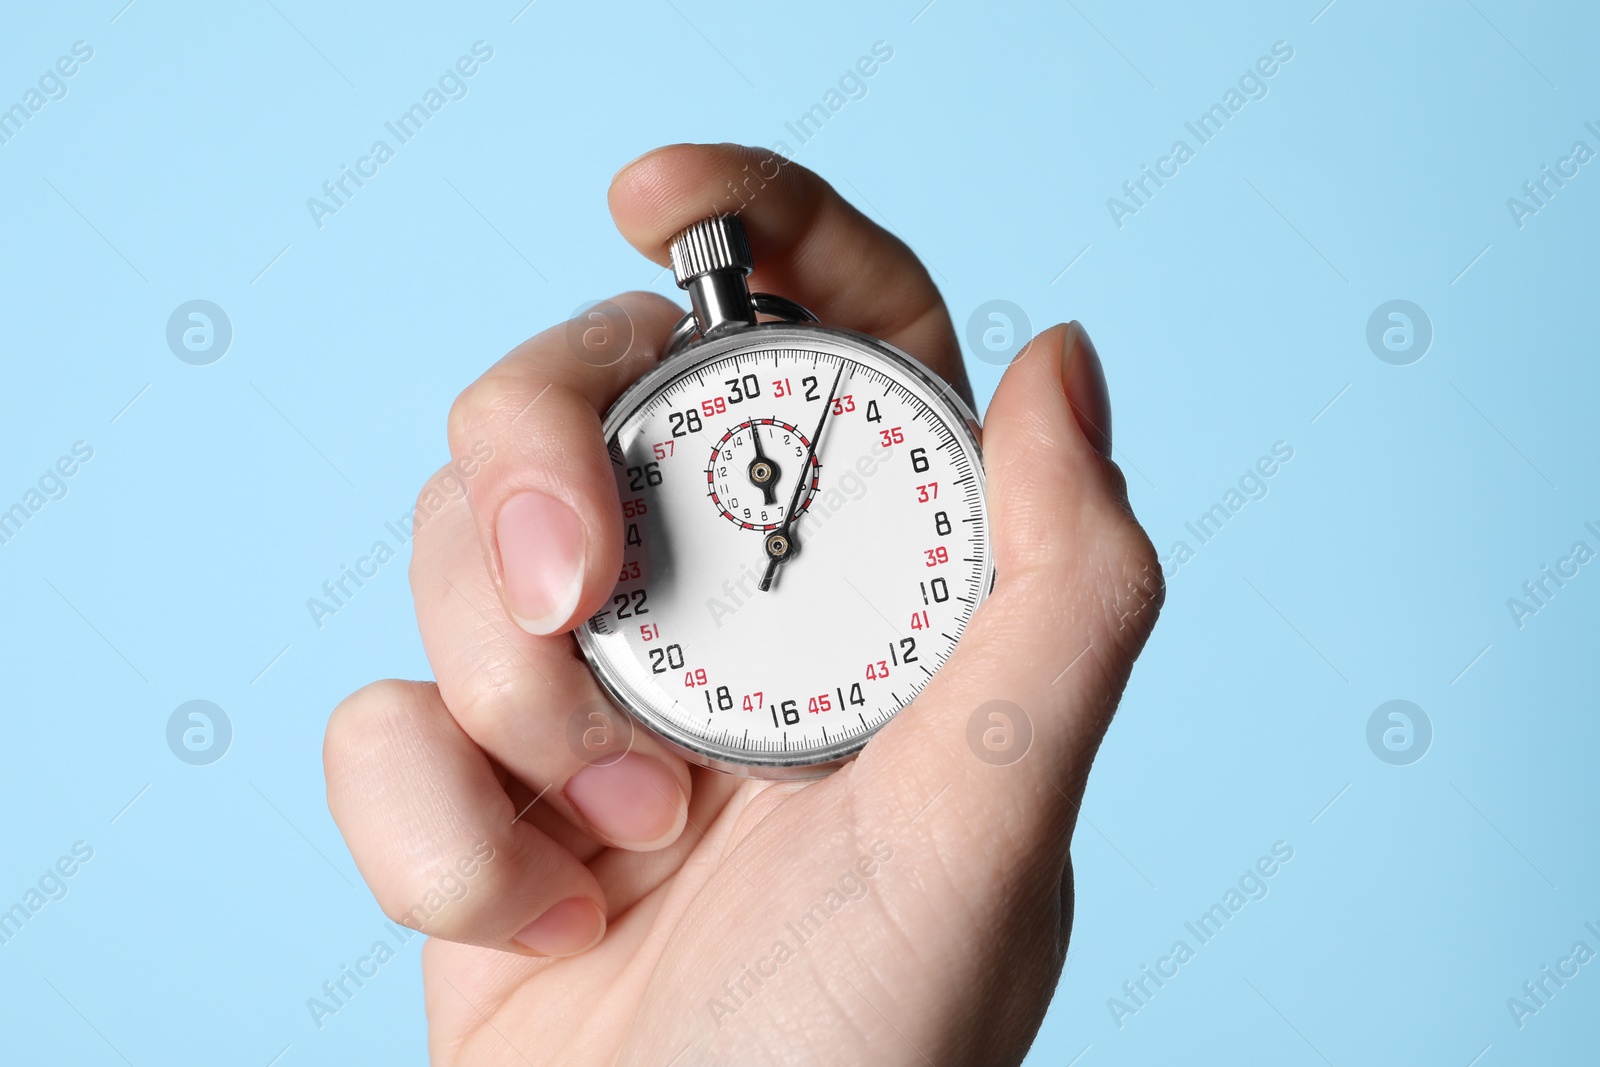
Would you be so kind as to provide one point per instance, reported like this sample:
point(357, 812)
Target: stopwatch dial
point(752, 470)
point(892, 551)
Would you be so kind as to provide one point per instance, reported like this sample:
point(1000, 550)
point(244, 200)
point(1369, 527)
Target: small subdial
point(752, 472)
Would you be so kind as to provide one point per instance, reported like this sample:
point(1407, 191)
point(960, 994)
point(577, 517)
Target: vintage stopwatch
point(806, 534)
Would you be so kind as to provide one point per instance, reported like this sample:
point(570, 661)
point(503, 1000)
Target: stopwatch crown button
point(714, 244)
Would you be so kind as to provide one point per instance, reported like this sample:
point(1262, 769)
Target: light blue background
point(1230, 311)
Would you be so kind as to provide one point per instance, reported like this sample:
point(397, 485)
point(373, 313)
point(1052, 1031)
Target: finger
point(810, 245)
point(1017, 713)
point(435, 837)
point(526, 438)
point(532, 704)
point(1085, 379)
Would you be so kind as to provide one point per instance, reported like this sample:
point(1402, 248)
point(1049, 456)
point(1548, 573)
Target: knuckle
point(1139, 587)
point(366, 720)
point(428, 495)
point(1119, 482)
point(503, 394)
point(499, 689)
point(475, 409)
point(448, 488)
point(451, 893)
point(645, 304)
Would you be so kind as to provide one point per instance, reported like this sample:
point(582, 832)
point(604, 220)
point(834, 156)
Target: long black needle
point(800, 484)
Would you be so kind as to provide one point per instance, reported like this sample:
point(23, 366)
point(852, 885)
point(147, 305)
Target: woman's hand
point(914, 906)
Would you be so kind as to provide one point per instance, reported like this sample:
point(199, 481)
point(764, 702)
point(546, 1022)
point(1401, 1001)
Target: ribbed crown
point(717, 243)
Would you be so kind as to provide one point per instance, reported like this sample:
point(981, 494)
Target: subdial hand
point(780, 542)
point(764, 473)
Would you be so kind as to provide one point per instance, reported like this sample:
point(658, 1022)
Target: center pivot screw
point(778, 545)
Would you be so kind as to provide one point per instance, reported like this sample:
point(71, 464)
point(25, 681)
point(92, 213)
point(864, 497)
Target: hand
point(914, 906)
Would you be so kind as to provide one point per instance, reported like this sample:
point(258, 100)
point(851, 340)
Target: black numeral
point(811, 387)
point(631, 604)
point(791, 713)
point(919, 460)
point(663, 658)
point(647, 475)
point(872, 412)
point(740, 389)
point(633, 537)
point(684, 422)
point(724, 699)
point(941, 523)
point(938, 587)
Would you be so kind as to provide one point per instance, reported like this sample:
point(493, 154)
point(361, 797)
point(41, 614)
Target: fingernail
point(635, 801)
point(542, 552)
point(575, 925)
point(1085, 381)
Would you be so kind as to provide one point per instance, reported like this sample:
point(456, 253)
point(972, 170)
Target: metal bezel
point(766, 335)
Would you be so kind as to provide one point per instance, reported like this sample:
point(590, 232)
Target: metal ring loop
point(686, 332)
point(781, 307)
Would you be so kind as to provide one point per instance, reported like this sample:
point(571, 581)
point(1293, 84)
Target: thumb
point(1011, 723)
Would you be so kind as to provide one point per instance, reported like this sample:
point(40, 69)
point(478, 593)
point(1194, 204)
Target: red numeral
point(753, 701)
point(715, 406)
point(927, 492)
point(936, 556)
point(632, 509)
point(818, 704)
point(694, 678)
point(630, 571)
point(892, 436)
point(662, 449)
point(919, 620)
point(842, 404)
point(877, 670)
point(649, 632)
point(781, 388)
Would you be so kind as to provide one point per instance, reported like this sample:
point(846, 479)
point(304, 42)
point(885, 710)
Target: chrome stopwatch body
point(806, 534)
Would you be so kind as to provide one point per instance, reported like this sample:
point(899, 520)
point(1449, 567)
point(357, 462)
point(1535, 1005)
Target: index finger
point(526, 437)
point(810, 244)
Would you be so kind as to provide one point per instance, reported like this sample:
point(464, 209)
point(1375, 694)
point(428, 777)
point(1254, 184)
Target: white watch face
point(890, 546)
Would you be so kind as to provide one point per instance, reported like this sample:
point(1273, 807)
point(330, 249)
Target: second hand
point(780, 543)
